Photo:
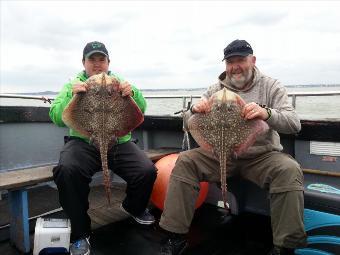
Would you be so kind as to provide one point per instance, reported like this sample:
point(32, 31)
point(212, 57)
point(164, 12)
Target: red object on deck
point(165, 166)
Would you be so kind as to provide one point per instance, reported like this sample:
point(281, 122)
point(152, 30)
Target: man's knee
point(187, 159)
point(185, 169)
point(288, 177)
point(291, 171)
point(183, 164)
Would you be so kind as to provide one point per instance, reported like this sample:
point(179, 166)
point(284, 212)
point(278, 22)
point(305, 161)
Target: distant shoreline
point(188, 89)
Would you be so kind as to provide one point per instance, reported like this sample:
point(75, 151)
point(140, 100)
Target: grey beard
point(241, 82)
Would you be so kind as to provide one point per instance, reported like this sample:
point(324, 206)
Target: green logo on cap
point(96, 45)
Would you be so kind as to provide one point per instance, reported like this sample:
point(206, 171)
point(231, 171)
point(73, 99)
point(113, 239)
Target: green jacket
point(65, 96)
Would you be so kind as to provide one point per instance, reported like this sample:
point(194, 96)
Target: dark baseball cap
point(237, 48)
point(94, 47)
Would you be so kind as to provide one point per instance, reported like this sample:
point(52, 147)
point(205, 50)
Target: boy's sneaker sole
point(88, 252)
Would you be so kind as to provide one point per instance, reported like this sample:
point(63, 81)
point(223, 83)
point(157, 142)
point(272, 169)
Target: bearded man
point(264, 163)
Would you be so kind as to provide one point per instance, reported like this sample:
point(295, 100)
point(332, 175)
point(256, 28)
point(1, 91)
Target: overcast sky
point(175, 44)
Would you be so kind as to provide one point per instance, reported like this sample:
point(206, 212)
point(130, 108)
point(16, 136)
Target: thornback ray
point(224, 132)
point(102, 114)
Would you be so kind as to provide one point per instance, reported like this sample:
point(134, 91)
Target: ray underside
point(102, 114)
point(221, 131)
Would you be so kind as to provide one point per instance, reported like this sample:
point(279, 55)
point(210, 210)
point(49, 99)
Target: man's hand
point(202, 106)
point(79, 87)
point(253, 110)
point(126, 89)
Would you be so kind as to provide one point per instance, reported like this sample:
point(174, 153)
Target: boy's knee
point(66, 172)
point(148, 172)
point(151, 172)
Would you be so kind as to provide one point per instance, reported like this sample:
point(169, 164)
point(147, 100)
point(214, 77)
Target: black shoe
point(175, 245)
point(281, 251)
point(145, 218)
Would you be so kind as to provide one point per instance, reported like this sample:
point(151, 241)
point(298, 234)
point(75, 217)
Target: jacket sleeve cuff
point(134, 93)
point(273, 118)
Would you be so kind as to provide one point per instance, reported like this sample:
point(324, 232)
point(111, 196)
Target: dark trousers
point(79, 161)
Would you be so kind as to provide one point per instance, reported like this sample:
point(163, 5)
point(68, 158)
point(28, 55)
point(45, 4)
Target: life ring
point(164, 167)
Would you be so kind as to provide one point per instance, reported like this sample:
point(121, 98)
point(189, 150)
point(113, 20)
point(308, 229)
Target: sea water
point(308, 107)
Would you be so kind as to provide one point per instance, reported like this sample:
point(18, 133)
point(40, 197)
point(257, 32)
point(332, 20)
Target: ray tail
point(106, 174)
point(223, 166)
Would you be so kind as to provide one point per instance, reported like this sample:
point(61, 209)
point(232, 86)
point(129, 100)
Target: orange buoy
point(164, 167)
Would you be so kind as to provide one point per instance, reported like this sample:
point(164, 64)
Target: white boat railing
point(186, 98)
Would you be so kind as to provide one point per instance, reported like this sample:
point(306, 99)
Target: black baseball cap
point(95, 47)
point(237, 48)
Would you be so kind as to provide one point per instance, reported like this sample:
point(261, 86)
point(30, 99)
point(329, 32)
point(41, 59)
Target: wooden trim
point(321, 172)
point(25, 177)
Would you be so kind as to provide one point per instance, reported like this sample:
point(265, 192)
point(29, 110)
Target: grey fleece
point(265, 91)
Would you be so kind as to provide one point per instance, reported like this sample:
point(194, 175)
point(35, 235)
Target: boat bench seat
point(16, 183)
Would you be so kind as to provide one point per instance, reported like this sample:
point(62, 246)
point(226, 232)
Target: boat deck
point(115, 233)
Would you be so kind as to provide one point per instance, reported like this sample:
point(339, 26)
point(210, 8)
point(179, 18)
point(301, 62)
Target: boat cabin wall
point(28, 139)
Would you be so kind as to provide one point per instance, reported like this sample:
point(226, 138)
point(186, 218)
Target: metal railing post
point(294, 100)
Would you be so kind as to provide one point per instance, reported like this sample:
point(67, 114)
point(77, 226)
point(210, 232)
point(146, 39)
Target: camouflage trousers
point(274, 171)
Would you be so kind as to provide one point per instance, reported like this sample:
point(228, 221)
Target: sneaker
point(281, 251)
point(174, 246)
point(80, 247)
point(146, 218)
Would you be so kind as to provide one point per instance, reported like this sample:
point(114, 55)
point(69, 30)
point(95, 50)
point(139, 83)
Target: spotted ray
point(223, 130)
point(102, 114)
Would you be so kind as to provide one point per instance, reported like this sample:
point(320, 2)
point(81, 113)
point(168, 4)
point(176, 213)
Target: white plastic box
point(52, 234)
